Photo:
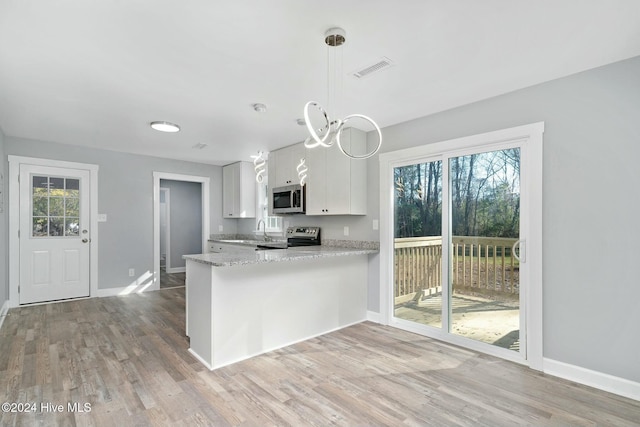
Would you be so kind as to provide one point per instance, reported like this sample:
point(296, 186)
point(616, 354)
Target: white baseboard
point(374, 317)
point(177, 270)
point(200, 359)
point(599, 380)
point(125, 290)
point(3, 312)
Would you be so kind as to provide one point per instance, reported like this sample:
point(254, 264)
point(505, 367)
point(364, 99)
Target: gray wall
point(591, 212)
point(125, 194)
point(590, 207)
point(4, 226)
point(186, 219)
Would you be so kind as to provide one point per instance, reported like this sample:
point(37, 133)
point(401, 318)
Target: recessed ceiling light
point(165, 126)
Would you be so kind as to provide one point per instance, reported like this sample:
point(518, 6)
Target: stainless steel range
point(303, 236)
point(296, 236)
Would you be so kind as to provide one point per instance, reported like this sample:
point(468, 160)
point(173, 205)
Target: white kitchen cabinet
point(236, 313)
point(230, 248)
point(238, 190)
point(283, 163)
point(336, 184)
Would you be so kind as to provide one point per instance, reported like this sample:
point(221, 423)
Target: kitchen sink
point(268, 246)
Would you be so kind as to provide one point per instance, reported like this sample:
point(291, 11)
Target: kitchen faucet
point(264, 227)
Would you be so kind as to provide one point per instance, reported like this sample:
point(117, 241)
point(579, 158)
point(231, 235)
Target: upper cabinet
point(238, 190)
point(283, 163)
point(336, 184)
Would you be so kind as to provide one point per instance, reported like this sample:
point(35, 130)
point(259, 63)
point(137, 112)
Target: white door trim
point(167, 231)
point(14, 219)
point(157, 176)
point(533, 134)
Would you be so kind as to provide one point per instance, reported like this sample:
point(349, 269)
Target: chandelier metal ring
point(318, 141)
point(370, 120)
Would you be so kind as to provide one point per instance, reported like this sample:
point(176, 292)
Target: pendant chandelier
point(259, 165)
point(330, 133)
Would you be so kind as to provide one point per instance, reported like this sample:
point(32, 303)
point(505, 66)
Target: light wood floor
point(127, 357)
point(171, 280)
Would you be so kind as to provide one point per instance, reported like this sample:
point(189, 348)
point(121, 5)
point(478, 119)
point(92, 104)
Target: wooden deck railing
point(481, 264)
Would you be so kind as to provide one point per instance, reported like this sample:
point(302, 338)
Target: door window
point(55, 206)
point(484, 200)
point(418, 243)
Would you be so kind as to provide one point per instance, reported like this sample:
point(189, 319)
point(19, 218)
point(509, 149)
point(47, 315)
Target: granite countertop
point(275, 255)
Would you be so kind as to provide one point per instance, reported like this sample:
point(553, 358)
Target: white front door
point(54, 236)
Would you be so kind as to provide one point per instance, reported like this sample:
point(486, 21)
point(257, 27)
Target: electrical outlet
point(220, 228)
point(375, 224)
point(102, 217)
point(346, 231)
point(132, 272)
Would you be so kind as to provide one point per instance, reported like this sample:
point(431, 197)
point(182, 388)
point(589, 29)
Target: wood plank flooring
point(127, 357)
point(171, 280)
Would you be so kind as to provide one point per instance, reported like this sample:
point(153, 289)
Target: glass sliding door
point(484, 205)
point(472, 290)
point(461, 241)
point(418, 243)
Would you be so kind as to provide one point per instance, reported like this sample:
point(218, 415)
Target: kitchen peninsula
point(243, 304)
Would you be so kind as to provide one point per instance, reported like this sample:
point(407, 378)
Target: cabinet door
point(246, 194)
point(328, 181)
point(316, 185)
point(283, 163)
point(297, 152)
point(238, 191)
point(276, 162)
point(337, 180)
point(336, 184)
point(230, 188)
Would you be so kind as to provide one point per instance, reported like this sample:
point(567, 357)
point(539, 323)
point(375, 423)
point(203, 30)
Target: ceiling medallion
point(329, 134)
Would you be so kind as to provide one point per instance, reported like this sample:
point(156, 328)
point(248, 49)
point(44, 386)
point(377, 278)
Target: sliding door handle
point(521, 244)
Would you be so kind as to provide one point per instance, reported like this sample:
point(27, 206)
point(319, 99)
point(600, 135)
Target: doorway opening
point(181, 224)
point(180, 228)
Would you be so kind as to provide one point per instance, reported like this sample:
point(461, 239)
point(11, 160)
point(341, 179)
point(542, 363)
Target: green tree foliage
point(485, 196)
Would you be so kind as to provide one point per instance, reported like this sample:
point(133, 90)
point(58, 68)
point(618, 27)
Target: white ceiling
point(95, 73)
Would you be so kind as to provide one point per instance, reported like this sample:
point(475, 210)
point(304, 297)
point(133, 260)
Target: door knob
point(86, 240)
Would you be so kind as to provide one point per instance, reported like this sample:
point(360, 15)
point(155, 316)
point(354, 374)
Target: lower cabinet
point(230, 248)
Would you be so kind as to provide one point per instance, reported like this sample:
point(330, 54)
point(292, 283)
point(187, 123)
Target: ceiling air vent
point(382, 64)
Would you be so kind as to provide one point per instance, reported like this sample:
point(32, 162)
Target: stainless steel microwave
point(288, 200)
